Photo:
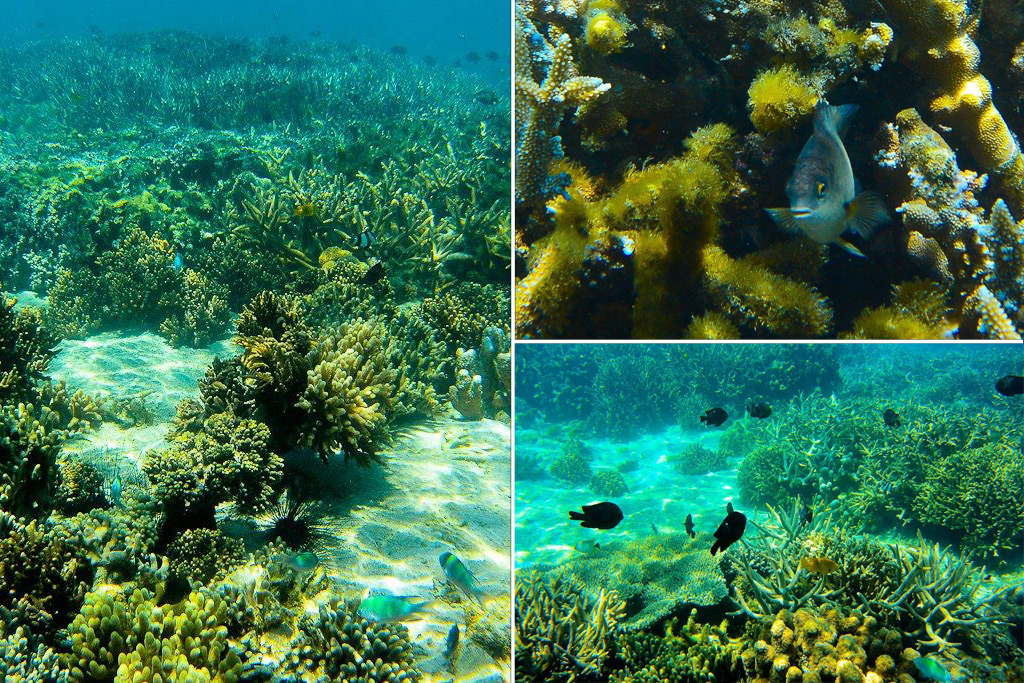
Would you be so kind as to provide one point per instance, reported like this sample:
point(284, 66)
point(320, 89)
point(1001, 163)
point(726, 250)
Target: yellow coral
point(712, 325)
point(918, 311)
point(780, 98)
point(606, 31)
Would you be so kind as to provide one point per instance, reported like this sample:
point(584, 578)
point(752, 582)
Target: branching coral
point(694, 653)
point(562, 633)
point(695, 459)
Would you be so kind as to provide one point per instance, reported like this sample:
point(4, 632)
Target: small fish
point(374, 274)
point(179, 260)
point(654, 529)
point(730, 530)
point(115, 491)
point(714, 417)
point(430, 60)
point(363, 240)
point(587, 546)
point(458, 574)
point(932, 670)
point(451, 642)
point(891, 418)
point(316, 33)
point(492, 56)
point(822, 192)
point(1011, 385)
point(806, 518)
point(819, 565)
point(689, 526)
point(598, 516)
point(399, 49)
point(302, 562)
point(886, 487)
point(759, 409)
point(389, 607)
point(304, 210)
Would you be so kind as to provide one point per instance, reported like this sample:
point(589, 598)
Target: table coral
point(654, 575)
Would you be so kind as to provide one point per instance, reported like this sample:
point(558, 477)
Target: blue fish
point(115, 491)
point(179, 260)
point(451, 642)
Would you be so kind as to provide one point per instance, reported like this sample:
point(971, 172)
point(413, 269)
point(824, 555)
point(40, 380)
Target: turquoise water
point(620, 423)
point(254, 342)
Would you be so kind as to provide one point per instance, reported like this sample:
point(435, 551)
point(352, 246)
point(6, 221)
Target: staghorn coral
point(573, 463)
point(655, 575)
point(81, 487)
point(541, 105)
point(203, 313)
point(26, 348)
point(29, 445)
point(202, 556)
point(563, 633)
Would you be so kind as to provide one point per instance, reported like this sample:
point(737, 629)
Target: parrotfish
point(458, 574)
point(823, 199)
point(115, 491)
point(179, 260)
point(389, 607)
point(303, 562)
point(932, 670)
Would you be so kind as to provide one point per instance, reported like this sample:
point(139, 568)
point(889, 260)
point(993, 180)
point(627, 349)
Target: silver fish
point(822, 192)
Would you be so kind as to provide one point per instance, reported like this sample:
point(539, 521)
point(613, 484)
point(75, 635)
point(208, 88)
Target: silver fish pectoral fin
point(784, 219)
point(849, 247)
point(865, 213)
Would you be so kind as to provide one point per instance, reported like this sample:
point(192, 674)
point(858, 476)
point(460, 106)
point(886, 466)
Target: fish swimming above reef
point(389, 607)
point(823, 199)
point(891, 418)
point(819, 565)
point(364, 240)
point(374, 273)
point(730, 530)
point(1011, 385)
point(714, 417)
point(587, 546)
point(598, 516)
point(451, 642)
point(932, 670)
point(302, 562)
point(179, 260)
point(689, 526)
point(460, 575)
point(759, 409)
point(807, 516)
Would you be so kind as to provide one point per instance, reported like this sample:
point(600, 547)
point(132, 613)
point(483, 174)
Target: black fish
point(807, 516)
point(316, 33)
point(729, 531)
point(374, 274)
point(473, 57)
point(728, 508)
point(452, 641)
point(1011, 385)
point(654, 529)
point(430, 60)
point(598, 516)
point(364, 240)
point(759, 409)
point(689, 526)
point(714, 417)
point(492, 55)
point(399, 49)
point(891, 418)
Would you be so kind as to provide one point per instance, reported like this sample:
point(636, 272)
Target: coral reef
point(654, 576)
point(695, 459)
point(562, 632)
point(619, 236)
point(608, 483)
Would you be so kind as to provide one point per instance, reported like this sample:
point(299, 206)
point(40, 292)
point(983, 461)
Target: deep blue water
point(448, 31)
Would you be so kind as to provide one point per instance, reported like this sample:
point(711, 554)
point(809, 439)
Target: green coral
point(29, 445)
point(26, 348)
point(608, 483)
point(81, 487)
point(204, 555)
point(698, 652)
point(573, 463)
point(695, 459)
point(122, 638)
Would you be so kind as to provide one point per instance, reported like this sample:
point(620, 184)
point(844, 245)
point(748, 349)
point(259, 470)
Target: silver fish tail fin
point(827, 117)
point(865, 213)
point(784, 219)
